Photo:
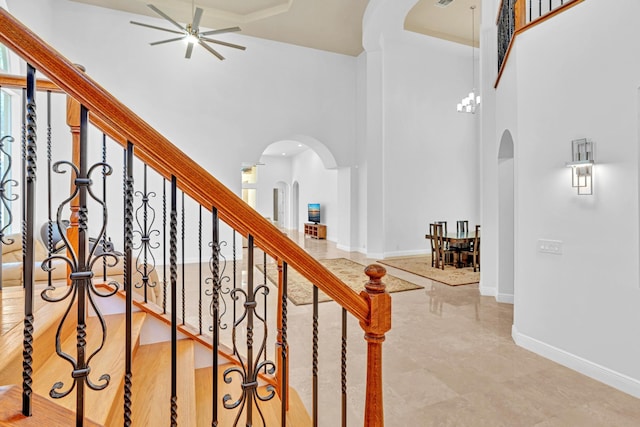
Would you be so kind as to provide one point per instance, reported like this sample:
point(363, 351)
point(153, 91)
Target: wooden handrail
point(522, 26)
point(192, 178)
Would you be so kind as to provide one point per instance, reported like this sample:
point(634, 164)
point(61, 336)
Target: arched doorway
point(506, 219)
point(280, 203)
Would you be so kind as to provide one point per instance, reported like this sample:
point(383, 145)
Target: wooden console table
point(317, 231)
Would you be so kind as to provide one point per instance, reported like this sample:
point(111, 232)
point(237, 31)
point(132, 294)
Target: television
point(314, 212)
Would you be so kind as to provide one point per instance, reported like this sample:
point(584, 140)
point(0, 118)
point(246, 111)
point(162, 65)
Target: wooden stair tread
point(45, 413)
point(45, 322)
point(296, 415)
point(152, 377)
point(110, 360)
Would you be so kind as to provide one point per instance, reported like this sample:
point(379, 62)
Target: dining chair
point(432, 233)
point(441, 251)
point(462, 226)
point(443, 224)
point(473, 251)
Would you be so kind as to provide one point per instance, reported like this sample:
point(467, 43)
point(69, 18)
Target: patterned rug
point(421, 265)
point(300, 290)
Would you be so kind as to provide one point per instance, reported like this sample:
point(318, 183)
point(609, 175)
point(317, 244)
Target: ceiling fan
point(191, 33)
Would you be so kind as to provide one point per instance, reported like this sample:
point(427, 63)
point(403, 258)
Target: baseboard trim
point(593, 370)
point(404, 253)
point(487, 291)
point(505, 298)
point(346, 248)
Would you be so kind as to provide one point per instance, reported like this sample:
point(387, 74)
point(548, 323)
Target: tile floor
point(449, 360)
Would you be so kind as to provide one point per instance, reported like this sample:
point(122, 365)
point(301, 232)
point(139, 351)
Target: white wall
point(430, 150)
point(573, 77)
point(221, 113)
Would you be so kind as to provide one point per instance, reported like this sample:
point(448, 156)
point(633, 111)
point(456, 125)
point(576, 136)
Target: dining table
point(456, 238)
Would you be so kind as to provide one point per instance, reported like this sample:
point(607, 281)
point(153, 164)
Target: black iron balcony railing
point(515, 16)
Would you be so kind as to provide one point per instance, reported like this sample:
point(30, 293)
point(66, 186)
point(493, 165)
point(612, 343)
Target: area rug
point(421, 265)
point(300, 290)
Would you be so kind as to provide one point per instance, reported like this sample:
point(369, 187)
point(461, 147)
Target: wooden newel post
point(374, 329)
point(73, 121)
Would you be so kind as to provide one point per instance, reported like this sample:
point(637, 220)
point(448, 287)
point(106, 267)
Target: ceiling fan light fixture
point(190, 33)
point(192, 38)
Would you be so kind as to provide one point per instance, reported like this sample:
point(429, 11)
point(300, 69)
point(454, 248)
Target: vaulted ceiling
point(332, 25)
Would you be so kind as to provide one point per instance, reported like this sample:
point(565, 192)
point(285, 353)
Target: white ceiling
point(284, 149)
point(332, 25)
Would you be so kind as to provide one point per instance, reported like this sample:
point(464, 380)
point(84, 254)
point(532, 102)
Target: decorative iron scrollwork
point(145, 217)
point(6, 196)
point(81, 279)
point(217, 291)
point(249, 366)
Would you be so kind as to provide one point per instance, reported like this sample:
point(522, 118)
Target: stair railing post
point(374, 330)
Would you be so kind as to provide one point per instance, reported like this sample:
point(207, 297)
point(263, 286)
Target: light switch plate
point(550, 246)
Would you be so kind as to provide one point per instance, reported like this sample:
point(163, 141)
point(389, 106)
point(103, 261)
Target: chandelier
point(470, 102)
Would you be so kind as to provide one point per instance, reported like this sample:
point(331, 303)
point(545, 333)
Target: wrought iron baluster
point(164, 246)
point(127, 278)
point(104, 197)
point(81, 291)
point(6, 196)
point(250, 366)
point(284, 385)
point(23, 151)
point(343, 369)
point(50, 247)
point(264, 280)
point(215, 261)
point(30, 159)
point(315, 357)
point(173, 259)
point(539, 8)
point(235, 274)
point(530, 10)
point(146, 232)
point(250, 305)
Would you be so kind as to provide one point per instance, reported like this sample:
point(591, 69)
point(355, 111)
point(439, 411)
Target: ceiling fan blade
point(189, 51)
point(235, 46)
point(196, 19)
point(210, 49)
point(165, 16)
point(220, 31)
point(156, 28)
point(167, 41)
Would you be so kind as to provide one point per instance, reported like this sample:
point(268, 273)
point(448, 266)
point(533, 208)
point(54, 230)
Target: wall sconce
point(582, 166)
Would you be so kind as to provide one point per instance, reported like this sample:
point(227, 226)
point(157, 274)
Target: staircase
point(152, 388)
point(110, 338)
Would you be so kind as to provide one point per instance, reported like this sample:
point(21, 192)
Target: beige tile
point(449, 360)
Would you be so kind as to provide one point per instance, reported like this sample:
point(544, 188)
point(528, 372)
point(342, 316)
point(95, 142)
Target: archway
point(280, 205)
point(506, 219)
point(294, 172)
